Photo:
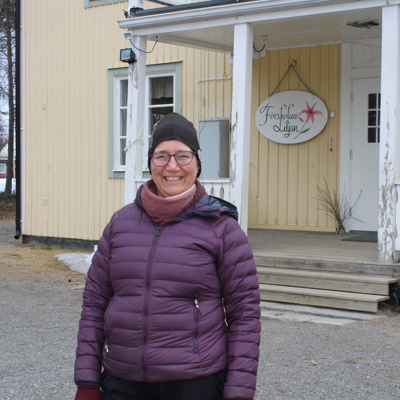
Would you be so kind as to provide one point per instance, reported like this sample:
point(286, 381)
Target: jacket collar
point(207, 207)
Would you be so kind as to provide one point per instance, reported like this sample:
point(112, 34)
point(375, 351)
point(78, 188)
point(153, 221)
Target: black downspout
point(17, 119)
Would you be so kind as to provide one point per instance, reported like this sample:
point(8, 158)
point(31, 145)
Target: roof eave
point(229, 14)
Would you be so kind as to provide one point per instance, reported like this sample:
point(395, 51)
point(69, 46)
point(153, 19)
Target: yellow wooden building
point(83, 156)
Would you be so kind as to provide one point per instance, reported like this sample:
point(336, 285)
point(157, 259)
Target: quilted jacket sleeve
point(237, 272)
point(96, 296)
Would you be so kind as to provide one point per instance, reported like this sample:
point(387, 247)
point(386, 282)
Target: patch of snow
point(3, 185)
point(76, 261)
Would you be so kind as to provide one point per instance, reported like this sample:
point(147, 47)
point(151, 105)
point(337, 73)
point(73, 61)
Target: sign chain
point(291, 66)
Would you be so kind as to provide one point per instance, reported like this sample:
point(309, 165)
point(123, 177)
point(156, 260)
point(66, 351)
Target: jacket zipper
point(196, 304)
point(197, 312)
point(106, 347)
point(147, 301)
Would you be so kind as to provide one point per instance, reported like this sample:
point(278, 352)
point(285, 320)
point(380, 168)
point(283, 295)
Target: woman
point(171, 303)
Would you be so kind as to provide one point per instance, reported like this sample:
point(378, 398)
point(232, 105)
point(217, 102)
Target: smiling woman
point(173, 144)
point(173, 169)
point(171, 303)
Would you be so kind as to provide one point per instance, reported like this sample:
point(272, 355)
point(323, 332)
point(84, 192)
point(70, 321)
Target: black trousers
point(207, 388)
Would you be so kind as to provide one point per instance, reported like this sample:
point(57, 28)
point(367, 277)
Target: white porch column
point(240, 120)
point(389, 169)
point(135, 119)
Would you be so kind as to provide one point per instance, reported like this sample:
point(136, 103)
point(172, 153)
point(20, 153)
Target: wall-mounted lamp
point(127, 55)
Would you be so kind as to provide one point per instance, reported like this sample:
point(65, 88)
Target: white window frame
point(117, 121)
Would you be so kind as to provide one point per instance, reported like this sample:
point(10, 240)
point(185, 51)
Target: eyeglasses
point(182, 158)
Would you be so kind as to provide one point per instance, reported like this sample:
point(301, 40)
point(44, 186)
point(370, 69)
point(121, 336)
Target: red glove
point(88, 392)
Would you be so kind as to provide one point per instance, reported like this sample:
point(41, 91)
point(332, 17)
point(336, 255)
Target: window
point(117, 110)
point(163, 96)
point(374, 117)
point(160, 99)
point(93, 3)
point(120, 107)
point(2, 168)
point(214, 136)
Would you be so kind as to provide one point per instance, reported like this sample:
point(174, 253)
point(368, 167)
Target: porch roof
point(277, 23)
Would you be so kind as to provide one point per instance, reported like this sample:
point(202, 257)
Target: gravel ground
point(40, 305)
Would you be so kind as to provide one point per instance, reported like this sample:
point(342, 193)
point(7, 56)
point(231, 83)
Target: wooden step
point(326, 280)
point(329, 266)
point(321, 298)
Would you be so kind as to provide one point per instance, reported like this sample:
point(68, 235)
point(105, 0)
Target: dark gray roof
point(189, 6)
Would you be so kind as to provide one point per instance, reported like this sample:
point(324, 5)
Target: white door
point(365, 154)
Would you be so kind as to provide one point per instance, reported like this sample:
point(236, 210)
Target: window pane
point(157, 113)
point(3, 168)
point(372, 100)
point(122, 124)
point(122, 152)
point(371, 135)
point(124, 92)
point(161, 90)
point(372, 118)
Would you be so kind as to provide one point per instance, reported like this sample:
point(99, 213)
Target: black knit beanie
point(175, 127)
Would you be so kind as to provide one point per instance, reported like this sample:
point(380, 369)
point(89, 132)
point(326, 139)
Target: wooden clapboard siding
point(284, 191)
point(202, 96)
point(69, 50)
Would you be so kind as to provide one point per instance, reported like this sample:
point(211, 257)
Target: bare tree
point(3, 135)
point(7, 74)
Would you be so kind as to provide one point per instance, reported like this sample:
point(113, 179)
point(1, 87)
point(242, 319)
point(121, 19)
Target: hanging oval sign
point(291, 117)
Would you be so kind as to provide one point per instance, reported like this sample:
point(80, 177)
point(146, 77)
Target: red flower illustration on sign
point(310, 112)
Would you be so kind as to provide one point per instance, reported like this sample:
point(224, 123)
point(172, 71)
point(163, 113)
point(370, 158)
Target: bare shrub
point(336, 207)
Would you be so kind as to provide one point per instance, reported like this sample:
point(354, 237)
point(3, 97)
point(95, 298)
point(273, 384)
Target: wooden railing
point(217, 187)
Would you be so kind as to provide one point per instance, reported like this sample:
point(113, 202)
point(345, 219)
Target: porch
point(322, 269)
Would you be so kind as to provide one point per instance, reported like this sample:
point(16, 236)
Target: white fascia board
point(172, 2)
point(196, 44)
point(152, 31)
point(248, 12)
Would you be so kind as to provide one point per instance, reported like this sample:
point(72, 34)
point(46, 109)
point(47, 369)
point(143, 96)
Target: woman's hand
point(88, 392)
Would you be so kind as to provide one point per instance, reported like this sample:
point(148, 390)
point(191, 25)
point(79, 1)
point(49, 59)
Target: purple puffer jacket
point(152, 306)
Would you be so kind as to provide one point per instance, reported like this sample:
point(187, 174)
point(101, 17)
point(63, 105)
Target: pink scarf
point(163, 210)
